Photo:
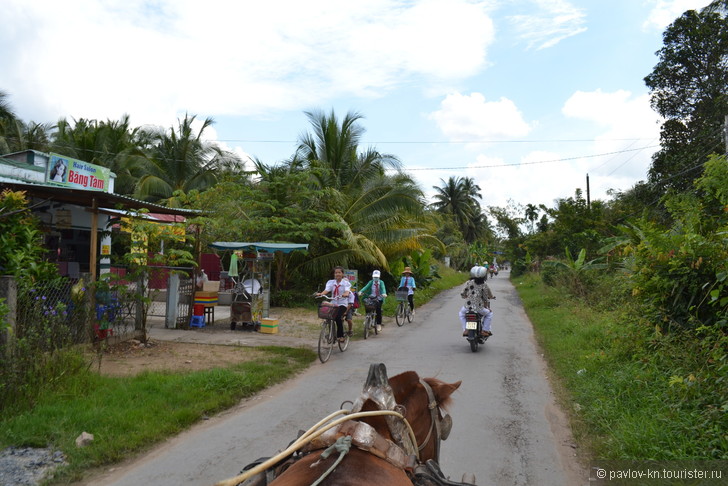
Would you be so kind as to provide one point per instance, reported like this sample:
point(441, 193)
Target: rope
point(342, 446)
point(311, 434)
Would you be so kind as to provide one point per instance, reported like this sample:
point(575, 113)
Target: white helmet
point(477, 272)
point(376, 274)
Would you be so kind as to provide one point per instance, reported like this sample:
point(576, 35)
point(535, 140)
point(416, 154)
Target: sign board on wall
point(352, 276)
point(77, 174)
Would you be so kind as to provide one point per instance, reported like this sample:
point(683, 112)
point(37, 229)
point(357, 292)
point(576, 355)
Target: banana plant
point(573, 271)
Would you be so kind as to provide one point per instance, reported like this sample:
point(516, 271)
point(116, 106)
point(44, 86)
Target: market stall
point(249, 271)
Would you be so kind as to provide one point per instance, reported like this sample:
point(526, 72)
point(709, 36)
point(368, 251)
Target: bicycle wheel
point(326, 341)
point(399, 316)
point(345, 343)
point(368, 322)
point(410, 314)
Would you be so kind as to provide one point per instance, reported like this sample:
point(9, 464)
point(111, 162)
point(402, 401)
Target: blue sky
point(525, 96)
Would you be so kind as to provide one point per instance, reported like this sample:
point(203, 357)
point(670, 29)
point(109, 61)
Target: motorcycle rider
point(476, 294)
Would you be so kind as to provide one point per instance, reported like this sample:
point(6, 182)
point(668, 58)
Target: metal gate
point(184, 305)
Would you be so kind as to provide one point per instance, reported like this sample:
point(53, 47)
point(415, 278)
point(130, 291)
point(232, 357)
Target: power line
point(449, 142)
point(565, 159)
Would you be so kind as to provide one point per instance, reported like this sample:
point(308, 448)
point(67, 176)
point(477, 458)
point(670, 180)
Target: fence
point(58, 313)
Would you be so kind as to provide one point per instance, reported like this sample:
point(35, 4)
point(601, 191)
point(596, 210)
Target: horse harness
point(402, 452)
point(366, 438)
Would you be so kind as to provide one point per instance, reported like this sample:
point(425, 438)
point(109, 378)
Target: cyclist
point(408, 282)
point(378, 292)
point(477, 293)
point(339, 288)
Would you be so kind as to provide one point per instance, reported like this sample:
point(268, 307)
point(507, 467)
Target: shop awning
point(258, 246)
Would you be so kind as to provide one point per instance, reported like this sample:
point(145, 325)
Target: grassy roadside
point(633, 394)
point(129, 415)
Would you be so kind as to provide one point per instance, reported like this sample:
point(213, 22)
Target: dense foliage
point(688, 88)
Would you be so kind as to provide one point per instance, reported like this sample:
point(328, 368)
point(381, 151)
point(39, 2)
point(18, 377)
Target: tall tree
point(379, 207)
point(8, 122)
point(531, 214)
point(333, 148)
point(113, 144)
point(6, 110)
point(458, 197)
point(182, 160)
point(689, 87)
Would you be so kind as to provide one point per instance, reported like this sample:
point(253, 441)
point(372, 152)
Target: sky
point(527, 97)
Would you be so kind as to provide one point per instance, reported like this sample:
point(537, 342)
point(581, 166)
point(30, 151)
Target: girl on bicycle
point(408, 282)
point(377, 291)
point(339, 288)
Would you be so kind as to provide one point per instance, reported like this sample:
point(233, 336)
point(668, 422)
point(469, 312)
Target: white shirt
point(336, 291)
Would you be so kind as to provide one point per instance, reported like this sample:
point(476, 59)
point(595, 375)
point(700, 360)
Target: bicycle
point(403, 308)
point(327, 337)
point(371, 318)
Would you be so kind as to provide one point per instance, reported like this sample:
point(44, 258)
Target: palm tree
point(456, 197)
point(112, 144)
point(381, 213)
point(182, 160)
point(332, 152)
point(7, 122)
point(531, 214)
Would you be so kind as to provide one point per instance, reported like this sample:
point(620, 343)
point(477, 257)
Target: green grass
point(632, 393)
point(128, 415)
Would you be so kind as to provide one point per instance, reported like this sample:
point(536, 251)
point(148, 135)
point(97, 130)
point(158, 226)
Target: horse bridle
point(441, 427)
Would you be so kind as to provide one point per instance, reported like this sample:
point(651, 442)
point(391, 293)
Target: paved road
point(507, 430)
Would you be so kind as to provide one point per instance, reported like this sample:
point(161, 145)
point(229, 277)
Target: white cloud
point(665, 12)
point(628, 123)
point(548, 23)
point(471, 117)
point(157, 60)
point(538, 179)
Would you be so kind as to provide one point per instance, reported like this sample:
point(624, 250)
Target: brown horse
point(384, 450)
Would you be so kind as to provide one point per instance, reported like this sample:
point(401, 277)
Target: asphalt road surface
point(506, 431)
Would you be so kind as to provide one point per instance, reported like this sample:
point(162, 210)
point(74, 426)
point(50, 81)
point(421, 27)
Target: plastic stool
point(197, 321)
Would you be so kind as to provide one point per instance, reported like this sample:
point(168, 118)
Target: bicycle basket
point(401, 294)
point(370, 304)
point(327, 311)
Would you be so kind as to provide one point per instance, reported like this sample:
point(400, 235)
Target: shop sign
point(77, 174)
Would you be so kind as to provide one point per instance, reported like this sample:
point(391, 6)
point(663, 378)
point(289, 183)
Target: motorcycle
point(474, 324)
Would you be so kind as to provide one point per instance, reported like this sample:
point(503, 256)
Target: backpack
point(356, 300)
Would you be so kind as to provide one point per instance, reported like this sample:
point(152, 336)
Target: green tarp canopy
point(259, 246)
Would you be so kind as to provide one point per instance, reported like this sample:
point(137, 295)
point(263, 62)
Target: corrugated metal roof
point(86, 198)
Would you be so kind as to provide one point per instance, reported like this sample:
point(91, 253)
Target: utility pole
point(725, 132)
point(588, 196)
